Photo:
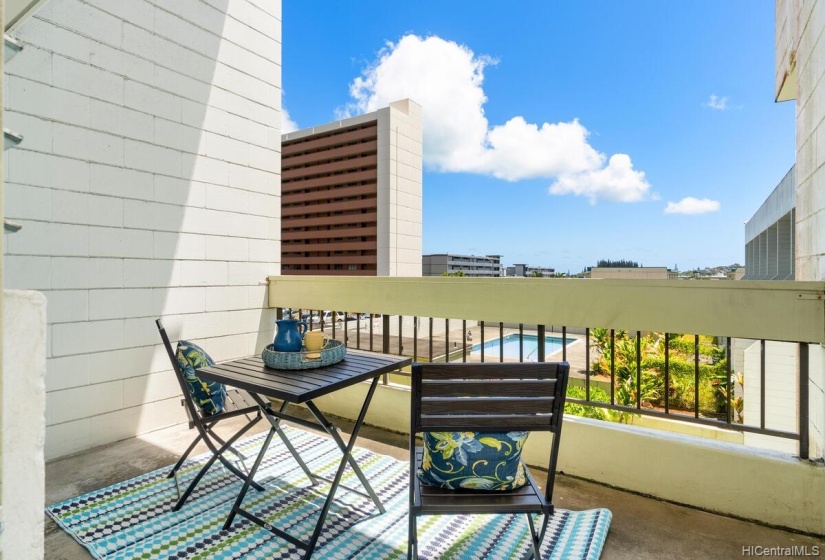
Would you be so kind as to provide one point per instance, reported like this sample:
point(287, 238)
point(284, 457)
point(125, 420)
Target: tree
point(536, 274)
point(617, 264)
point(456, 273)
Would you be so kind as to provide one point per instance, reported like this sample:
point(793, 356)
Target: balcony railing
point(429, 319)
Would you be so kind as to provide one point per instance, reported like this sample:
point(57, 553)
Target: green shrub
point(576, 409)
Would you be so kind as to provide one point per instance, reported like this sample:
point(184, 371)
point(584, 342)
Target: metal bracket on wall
point(10, 226)
point(13, 46)
point(11, 139)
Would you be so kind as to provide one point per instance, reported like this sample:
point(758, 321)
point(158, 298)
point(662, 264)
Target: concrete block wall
point(148, 185)
point(400, 206)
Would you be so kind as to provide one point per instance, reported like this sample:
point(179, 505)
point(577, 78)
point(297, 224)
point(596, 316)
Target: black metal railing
point(636, 382)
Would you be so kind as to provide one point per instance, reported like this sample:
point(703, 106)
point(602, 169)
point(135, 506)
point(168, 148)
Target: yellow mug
point(313, 342)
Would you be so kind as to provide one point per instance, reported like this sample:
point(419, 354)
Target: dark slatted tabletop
point(298, 386)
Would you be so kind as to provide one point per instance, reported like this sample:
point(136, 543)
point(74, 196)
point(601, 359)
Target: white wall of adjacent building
point(800, 67)
point(400, 206)
point(148, 185)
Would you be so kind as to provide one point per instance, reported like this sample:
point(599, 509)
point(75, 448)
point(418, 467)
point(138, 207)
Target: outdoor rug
point(134, 519)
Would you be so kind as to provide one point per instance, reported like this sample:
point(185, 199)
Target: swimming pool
point(511, 347)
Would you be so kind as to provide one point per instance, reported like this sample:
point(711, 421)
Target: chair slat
point(489, 422)
point(514, 370)
point(476, 388)
point(494, 405)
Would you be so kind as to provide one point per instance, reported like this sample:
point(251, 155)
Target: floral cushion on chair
point(473, 460)
point(209, 396)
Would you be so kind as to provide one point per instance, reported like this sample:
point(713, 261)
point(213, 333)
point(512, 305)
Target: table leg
point(275, 423)
point(237, 506)
point(347, 458)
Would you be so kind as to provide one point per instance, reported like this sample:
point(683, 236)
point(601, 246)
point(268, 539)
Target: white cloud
point(446, 79)
point(618, 181)
point(717, 103)
point(287, 124)
point(691, 205)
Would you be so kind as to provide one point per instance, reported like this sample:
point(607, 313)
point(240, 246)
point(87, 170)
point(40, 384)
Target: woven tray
point(332, 353)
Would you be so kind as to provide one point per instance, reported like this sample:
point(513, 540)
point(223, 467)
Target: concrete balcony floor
point(642, 528)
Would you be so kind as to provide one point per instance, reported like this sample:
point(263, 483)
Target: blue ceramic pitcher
point(289, 337)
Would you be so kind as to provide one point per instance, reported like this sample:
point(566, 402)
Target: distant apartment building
point(769, 234)
point(527, 270)
point(470, 265)
point(633, 273)
point(351, 195)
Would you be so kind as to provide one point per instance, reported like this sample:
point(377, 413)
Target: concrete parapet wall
point(727, 478)
point(24, 427)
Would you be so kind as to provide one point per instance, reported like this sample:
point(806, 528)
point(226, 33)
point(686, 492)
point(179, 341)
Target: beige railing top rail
point(791, 311)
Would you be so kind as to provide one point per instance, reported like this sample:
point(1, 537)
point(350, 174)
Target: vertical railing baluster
point(500, 342)
point(762, 384)
point(612, 366)
point(667, 373)
point(564, 343)
point(358, 330)
point(372, 318)
point(385, 333)
point(587, 363)
point(344, 326)
point(385, 341)
point(804, 373)
point(464, 340)
point(447, 340)
point(731, 383)
point(415, 338)
point(540, 342)
point(696, 376)
point(521, 342)
point(400, 335)
point(482, 341)
point(431, 339)
point(638, 369)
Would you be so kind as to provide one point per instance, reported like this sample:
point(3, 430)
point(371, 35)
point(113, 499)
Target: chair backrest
point(191, 408)
point(491, 397)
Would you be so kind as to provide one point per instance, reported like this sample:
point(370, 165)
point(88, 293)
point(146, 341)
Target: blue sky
point(622, 109)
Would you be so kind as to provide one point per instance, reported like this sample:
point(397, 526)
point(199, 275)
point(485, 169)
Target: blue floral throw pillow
point(473, 460)
point(208, 395)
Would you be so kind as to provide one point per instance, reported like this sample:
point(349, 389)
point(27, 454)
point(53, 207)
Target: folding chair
point(485, 397)
point(238, 403)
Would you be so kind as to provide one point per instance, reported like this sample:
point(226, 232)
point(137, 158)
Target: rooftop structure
point(633, 273)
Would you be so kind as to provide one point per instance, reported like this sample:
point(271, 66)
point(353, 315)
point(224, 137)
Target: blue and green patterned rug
point(134, 519)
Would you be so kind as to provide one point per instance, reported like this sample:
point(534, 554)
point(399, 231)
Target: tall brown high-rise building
point(351, 195)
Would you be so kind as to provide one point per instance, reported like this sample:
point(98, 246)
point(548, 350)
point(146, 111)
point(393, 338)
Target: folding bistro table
point(301, 387)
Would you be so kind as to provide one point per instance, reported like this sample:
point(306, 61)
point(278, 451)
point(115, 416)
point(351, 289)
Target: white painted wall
point(781, 394)
point(800, 62)
point(148, 185)
point(400, 171)
point(23, 405)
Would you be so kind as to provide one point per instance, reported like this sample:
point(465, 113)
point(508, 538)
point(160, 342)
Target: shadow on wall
point(147, 185)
